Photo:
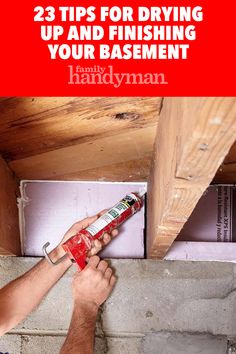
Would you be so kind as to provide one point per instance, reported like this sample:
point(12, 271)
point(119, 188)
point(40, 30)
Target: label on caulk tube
point(112, 214)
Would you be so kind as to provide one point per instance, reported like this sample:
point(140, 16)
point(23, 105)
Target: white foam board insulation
point(202, 251)
point(47, 209)
point(214, 217)
point(210, 232)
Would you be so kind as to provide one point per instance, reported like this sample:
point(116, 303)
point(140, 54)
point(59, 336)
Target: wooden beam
point(231, 156)
point(9, 227)
point(4, 252)
point(135, 145)
point(194, 135)
point(32, 126)
point(227, 171)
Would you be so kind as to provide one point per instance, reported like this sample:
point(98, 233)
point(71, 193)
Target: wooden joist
point(9, 229)
point(194, 135)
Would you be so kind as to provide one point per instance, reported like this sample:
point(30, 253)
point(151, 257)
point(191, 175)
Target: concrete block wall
point(156, 308)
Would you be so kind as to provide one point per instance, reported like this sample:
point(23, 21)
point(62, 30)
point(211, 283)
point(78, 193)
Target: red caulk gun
point(78, 246)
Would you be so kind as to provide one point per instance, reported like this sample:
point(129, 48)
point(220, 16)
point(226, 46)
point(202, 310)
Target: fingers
point(93, 262)
point(94, 284)
point(81, 225)
point(96, 247)
point(102, 266)
point(86, 222)
point(99, 244)
point(106, 239)
point(112, 281)
point(75, 228)
point(102, 212)
point(108, 274)
point(114, 233)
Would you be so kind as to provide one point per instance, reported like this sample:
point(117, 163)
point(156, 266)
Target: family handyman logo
point(102, 75)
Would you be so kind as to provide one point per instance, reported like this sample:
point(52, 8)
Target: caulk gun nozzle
point(142, 192)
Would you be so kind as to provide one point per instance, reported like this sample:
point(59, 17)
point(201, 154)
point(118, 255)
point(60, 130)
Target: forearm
point(80, 338)
point(23, 295)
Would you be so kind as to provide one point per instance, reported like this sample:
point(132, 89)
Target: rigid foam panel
point(49, 208)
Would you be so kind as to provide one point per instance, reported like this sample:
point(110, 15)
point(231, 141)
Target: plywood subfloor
point(103, 138)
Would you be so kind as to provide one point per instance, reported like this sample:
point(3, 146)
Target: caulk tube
point(79, 245)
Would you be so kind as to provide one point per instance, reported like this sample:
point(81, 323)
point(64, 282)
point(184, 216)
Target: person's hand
point(97, 244)
point(75, 228)
point(92, 286)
